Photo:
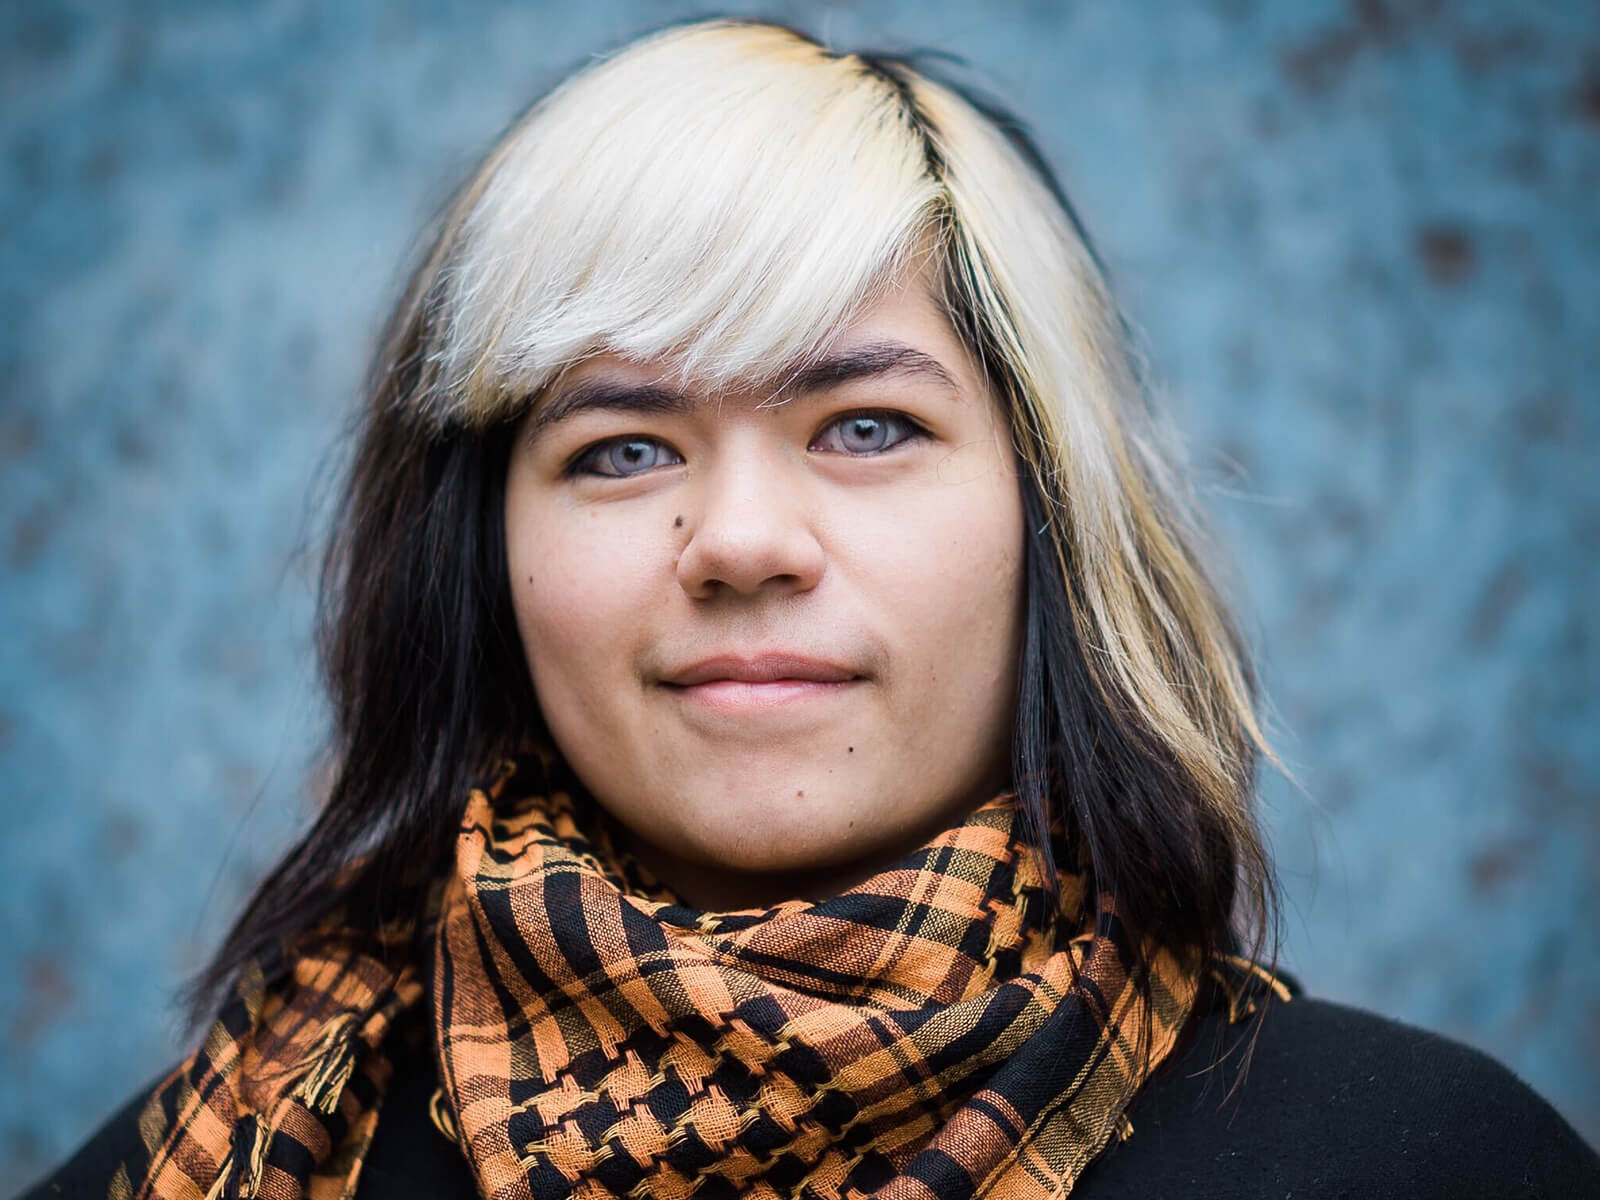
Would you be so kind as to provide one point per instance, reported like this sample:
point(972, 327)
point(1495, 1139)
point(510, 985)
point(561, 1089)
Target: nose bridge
point(750, 526)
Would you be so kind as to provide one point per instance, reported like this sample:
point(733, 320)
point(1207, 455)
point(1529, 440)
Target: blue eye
point(625, 456)
point(866, 433)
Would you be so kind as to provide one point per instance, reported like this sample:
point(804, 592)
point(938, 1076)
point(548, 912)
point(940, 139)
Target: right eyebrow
point(609, 395)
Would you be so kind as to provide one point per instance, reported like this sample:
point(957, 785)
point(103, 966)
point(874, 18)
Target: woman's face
point(777, 640)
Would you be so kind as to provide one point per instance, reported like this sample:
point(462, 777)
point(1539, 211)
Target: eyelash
point(583, 463)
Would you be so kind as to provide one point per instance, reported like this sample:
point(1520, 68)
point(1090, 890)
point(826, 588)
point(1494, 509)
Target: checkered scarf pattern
point(924, 1034)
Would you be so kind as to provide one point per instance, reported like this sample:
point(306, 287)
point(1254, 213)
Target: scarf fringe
point(239, 1176)
point(328, 1066)
point(332, 1060)
point(441, 1116)
point(1242, 982)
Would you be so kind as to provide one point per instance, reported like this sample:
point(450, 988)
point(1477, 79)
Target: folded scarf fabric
point(929, 1032)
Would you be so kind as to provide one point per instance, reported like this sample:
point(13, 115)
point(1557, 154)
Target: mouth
point(739, 683)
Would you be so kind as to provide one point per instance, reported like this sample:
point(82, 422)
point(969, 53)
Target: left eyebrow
point(874, 360)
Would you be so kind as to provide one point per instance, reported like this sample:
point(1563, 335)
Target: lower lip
point(742, 696)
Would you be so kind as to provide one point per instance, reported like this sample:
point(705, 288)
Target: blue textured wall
point(1363, 240)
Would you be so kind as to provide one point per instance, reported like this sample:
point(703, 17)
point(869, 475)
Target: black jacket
point(1334, 1103)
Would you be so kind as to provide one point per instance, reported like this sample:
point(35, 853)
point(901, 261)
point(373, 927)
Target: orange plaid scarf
point(923, 1034)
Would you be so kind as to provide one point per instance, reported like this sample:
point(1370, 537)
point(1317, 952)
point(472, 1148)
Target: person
point(787, 740)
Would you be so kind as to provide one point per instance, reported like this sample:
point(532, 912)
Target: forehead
point(903, 333)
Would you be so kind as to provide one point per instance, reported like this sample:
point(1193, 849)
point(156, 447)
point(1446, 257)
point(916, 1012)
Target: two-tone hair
point(724, 197)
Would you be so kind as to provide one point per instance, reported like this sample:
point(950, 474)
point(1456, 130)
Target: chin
point(780, 835)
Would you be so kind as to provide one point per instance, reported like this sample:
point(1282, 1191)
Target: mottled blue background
point(1362, 239)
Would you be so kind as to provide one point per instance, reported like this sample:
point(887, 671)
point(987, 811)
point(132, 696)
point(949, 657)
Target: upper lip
point(760, 668)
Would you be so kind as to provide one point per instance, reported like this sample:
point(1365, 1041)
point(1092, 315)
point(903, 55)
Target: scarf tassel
point(441, 1116)
point(239, 1176)
point(1242, 984)
point(332, 1060)
point(330, 1063)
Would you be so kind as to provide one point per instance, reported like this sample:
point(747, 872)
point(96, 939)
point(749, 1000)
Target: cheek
point(949, 571)
point(580, 587)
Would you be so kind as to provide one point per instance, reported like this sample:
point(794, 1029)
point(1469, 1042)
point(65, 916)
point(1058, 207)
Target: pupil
point(864, 429)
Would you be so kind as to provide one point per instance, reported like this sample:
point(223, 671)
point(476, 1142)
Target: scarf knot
point(600, 1037)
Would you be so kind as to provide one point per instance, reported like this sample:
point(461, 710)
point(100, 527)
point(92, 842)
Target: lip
point(740, 685)
point(774, 669)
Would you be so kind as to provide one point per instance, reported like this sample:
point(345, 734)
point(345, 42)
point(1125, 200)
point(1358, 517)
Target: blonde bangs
point(723, 198)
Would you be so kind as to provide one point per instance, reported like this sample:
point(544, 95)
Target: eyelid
point(914, 428)
point(575, 465)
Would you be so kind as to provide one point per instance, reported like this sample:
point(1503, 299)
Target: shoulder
point(88, 1173)
point(409, 1157)
point(1313, 1098)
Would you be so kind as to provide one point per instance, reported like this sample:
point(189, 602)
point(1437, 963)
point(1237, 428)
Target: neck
point(717, 887)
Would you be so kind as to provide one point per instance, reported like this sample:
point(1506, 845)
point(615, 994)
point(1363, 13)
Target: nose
point(749, 532)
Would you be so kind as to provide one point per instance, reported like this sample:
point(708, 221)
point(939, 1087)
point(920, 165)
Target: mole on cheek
point(677, 523)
